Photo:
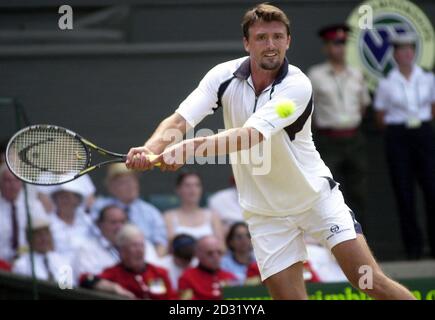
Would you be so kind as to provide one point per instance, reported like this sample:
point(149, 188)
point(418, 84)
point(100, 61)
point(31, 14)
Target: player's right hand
point(139, 159)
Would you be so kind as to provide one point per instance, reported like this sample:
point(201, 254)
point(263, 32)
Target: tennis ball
point(285, 108)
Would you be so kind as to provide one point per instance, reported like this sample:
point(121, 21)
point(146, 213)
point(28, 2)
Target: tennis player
point(297, 194)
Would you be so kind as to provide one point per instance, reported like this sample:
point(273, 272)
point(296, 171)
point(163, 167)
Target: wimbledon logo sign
point(369, 46)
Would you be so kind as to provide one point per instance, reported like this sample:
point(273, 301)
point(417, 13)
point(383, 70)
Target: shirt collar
point(416, 72)
point(244, 71)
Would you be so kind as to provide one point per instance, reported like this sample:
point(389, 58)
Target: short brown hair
point(264, 12)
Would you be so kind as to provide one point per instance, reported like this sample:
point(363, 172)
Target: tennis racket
point(50, 155)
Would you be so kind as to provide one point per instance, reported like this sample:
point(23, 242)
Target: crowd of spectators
point(124, 245)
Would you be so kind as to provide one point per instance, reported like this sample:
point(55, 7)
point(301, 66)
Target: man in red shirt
point(5, 266)
point(205, 281)
point(144, 280)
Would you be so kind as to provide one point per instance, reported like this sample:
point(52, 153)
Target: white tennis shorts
point(279, 241)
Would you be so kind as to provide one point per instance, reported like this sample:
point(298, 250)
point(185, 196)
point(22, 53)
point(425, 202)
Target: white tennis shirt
point(292, 175)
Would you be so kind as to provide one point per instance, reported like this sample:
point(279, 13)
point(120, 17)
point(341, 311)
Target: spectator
point(87, 190)
point(239, 255)
point(205, 281)
point(123, 187)
point(99, 252)
point(182, 257)
point(70, 225)
point(226, 204)
point(144, 280)
point(32, 190)
point(341, 98)
point(13, 217)
point(405, 106)
point(48, 264)
point(190, 218)
point(5, 266)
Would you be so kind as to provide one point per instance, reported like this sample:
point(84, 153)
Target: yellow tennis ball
point(285, 108)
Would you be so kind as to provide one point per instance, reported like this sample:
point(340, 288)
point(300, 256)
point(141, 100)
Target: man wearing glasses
point(206, 281)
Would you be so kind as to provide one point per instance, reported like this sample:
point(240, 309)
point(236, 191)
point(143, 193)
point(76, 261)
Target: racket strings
point(47, 155)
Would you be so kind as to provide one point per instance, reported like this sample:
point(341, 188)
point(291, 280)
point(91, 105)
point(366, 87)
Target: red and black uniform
point(152, 283)
point(201, 283)
point(5, 266)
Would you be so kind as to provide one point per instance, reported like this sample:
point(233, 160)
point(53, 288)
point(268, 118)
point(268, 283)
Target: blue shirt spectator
point(240, 254)
point(123, 187)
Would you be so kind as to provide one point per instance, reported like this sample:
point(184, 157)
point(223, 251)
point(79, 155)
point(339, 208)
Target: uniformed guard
point(405, 107)
point(340, 99)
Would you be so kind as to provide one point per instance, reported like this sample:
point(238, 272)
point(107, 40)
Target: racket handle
point(150, 156)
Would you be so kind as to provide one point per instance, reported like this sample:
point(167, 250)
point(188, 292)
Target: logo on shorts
point(334, 228)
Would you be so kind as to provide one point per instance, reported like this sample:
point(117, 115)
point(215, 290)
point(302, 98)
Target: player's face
point(404, 55)
point(267, 44)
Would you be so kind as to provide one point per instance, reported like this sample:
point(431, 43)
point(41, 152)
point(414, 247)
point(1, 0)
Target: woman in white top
point(405, 107)
point(190, 218)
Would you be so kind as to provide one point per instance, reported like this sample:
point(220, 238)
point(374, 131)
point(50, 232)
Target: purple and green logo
point(369, 46)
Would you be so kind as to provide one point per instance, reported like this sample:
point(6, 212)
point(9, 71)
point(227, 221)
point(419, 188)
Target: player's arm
point(158, 142)
point(223, 143)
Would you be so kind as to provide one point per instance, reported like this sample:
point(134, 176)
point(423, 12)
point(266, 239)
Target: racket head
point(47, 155)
